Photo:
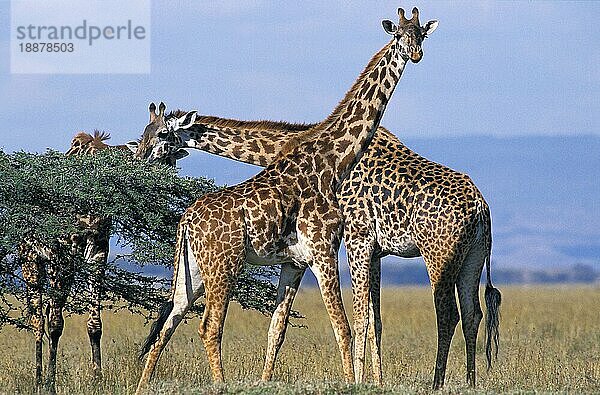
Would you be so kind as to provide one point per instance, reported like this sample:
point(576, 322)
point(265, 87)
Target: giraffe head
point(85, 143)
point(161, 140)
point(409, 34)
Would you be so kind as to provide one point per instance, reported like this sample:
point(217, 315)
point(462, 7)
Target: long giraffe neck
point(340, 140)
point(254, 142)
point(259, 142)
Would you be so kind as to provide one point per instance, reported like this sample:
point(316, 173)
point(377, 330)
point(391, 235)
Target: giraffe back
point(409, 201)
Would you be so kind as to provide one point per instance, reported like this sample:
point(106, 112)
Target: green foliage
point(42, 195)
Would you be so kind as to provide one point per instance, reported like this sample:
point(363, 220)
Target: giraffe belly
point(299, 252)
point(296, 254)
point(275, 249)
point(264, 259)
point(397, 243)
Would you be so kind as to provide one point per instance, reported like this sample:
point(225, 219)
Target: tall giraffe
point(394, 202)
point(286, 214)
point(95, 245)
point(41, 263)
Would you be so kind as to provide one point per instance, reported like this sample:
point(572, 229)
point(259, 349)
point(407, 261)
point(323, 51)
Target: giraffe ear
point(187, 120)
point(132, 146)
point(389, 27)
point(431, 26)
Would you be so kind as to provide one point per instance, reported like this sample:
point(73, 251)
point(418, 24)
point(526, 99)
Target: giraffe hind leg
point(56, 325)
point(470, 308)
point(60, 277)
point(32, 274)
point(289, 282)
point(170, 316)
point(211, 325)
point(447, 319)
point(375, 326)
point(188, 286)
point(226, 262)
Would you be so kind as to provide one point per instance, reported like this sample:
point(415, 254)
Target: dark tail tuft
point(156, 327)
point(493, 298)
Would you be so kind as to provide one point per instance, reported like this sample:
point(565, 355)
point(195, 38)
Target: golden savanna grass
point(550, 342)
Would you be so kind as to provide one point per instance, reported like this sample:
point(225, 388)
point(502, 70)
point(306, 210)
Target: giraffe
point(286, 214)
point(39, 265)
point(393, 202)
point(54, 264)
point(379, 193)
point(95, 245)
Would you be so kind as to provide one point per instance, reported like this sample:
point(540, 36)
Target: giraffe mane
point(237, 124)
point(100, 137)
point(337, 111)
point(258, 125)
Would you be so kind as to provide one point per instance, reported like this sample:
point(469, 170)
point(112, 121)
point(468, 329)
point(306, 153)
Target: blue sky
point(491, 68)
point(491, 71)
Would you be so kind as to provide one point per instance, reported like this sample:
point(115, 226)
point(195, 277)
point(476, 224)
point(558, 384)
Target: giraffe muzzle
point(415, 56)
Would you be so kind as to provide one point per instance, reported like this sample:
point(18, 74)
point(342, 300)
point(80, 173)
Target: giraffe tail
point(163, 314)
point(493, 298)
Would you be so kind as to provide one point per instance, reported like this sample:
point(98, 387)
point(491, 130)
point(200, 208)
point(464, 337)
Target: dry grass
point(550, 342)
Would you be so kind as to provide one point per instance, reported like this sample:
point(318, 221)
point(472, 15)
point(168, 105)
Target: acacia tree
point(42, 194)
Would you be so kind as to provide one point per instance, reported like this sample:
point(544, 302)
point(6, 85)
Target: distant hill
point(396, 272)
point(543, 192)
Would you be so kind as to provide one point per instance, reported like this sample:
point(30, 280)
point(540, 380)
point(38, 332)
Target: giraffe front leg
point(326, 272)
point(375, 326)
point(60, 273)
point(360, 309)
point(211, 324)
point(359, 260)
point(32, 272)
point(289, 282)
point(56, 325)
point(94, 322)
point(94, 330)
